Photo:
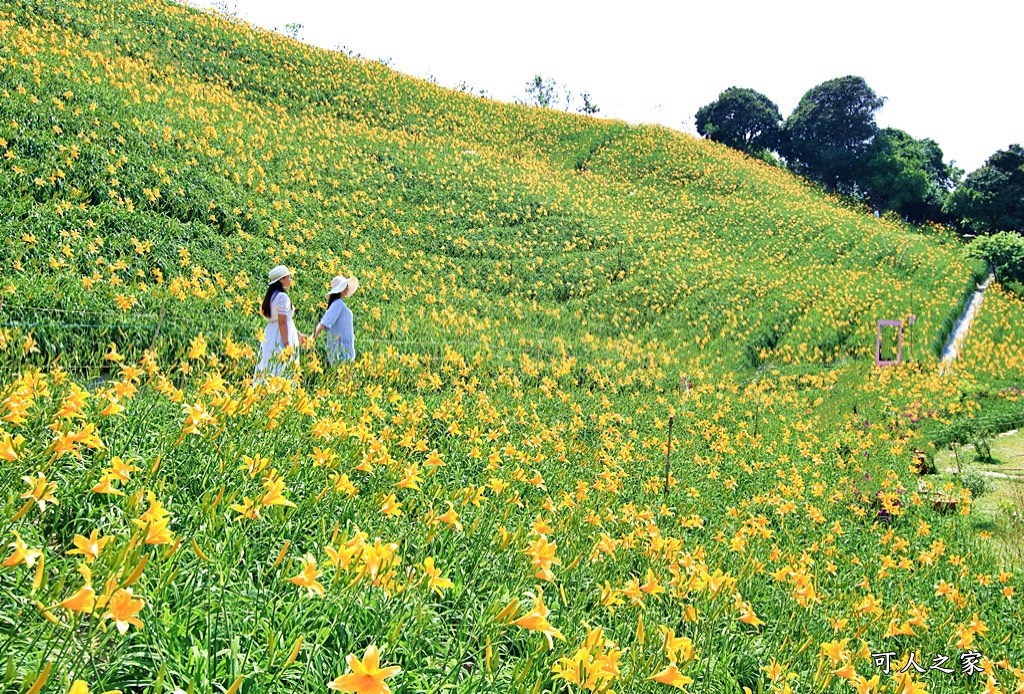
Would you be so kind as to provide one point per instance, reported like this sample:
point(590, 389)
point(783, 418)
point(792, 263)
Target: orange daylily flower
point(308, 575)
point(672, 677)
point(84, 599)
point(122, 608)
point(22, 554)
point(391, 506)
point(365, 676)
point(677, 648)
point(40, 490)
point(451, 517)
point(435, 581)
point(8, 446)
point(249, 508)
point(537, 620)
point(275, 492)
point(106, 485)
point(89, 547)
point(122, 469)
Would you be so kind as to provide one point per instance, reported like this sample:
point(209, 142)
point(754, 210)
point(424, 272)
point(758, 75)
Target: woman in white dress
point(337, 321)
point(281, 339)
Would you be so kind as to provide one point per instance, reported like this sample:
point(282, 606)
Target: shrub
point(1003, 252)
point(976, 482)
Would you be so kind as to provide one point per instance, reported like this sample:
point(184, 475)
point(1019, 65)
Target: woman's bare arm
point(282, 327)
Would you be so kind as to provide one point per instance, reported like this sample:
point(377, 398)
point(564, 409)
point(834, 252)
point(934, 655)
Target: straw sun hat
point(278, 273)
point(346, 286)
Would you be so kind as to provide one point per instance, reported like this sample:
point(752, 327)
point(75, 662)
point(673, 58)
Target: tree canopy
point(908, 175)
point(829, 135)
point(832, 138)
point(992, 198)
point(541, 92)
point(1003, 252)
point(742, 119)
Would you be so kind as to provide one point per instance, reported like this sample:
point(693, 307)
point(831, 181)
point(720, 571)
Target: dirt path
point(988, 473)
point(1007, 449)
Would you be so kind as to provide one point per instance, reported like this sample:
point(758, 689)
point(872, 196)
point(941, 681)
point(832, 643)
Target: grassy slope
point(255, 142)
point(577, 267)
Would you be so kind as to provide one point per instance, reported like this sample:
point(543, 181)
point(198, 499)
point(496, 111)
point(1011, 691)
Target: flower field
point(479, 503)
point(995, 353)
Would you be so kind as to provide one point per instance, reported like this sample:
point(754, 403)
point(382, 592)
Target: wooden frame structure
point(898, 324)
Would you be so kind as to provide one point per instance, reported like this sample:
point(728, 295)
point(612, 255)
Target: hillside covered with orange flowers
point(554, 310)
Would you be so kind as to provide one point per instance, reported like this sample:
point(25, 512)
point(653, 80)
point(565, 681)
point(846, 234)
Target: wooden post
point(910, 321)
point(159, 324)
point(668, 451)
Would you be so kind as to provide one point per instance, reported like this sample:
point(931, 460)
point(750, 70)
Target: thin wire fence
point(219, 327)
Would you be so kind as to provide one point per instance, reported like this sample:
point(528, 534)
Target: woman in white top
point(337, 321)
point(281, 339)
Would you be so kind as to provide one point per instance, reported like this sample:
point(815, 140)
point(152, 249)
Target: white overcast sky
point(950, 71)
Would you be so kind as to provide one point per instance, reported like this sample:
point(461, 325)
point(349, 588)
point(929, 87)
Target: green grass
point(1004, 490)
point(535, 288)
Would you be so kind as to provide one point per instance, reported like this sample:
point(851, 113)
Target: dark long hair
point(269, 296)
point(331, 298)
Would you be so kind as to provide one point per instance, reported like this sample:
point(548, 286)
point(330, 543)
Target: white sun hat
point(278, 273)
point(346, 286)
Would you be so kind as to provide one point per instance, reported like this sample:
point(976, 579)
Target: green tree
point(742, 119)
point(588, 107)
point(908, 176)
point(465, 88)
point(542, 92)
point(829, 135)
point(228, 10)
point(992, 197)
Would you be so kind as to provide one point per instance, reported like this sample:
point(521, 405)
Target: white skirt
point(270, 351)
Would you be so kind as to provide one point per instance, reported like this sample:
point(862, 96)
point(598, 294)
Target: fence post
point(159, 323)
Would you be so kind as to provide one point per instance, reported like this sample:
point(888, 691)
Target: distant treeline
point(832, 138)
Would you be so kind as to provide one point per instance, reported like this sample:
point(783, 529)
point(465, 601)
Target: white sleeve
point(280, 304)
